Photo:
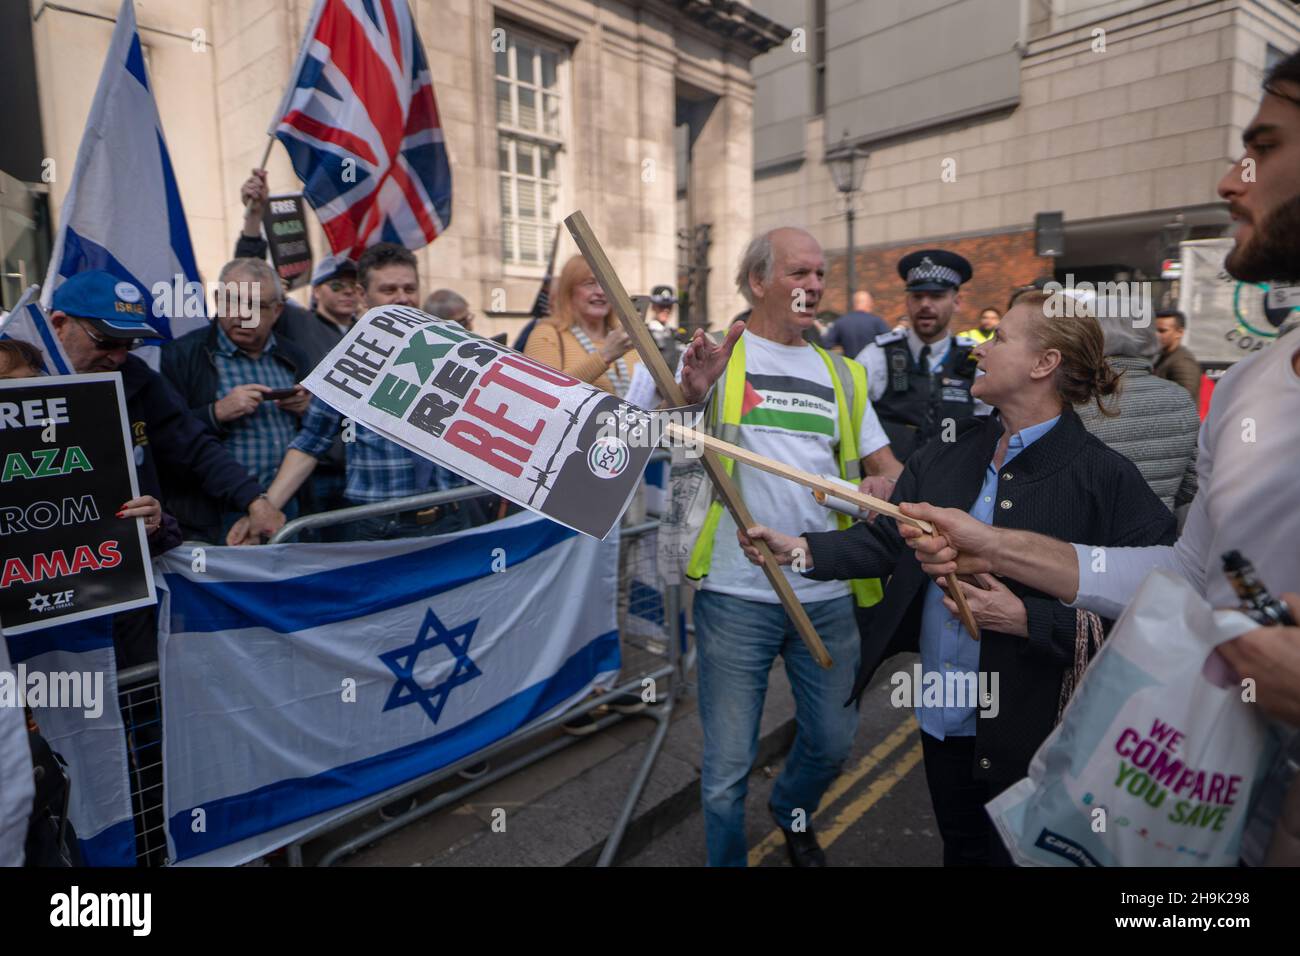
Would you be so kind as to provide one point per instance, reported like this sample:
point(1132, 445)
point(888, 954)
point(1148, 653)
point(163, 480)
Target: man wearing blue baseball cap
point(99, 318)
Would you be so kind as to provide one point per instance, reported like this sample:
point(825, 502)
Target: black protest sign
point(65, 472)
point(286, 235)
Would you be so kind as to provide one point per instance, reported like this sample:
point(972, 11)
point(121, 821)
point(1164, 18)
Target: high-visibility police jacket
point(722, 418)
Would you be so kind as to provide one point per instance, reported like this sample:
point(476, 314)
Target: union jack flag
point(360, 124)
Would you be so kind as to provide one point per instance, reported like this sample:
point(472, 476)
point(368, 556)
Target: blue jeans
point(738, 641)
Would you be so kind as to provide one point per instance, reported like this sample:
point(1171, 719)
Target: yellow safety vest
point(849, 380)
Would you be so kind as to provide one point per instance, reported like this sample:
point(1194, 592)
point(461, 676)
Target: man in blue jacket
point(99, 319)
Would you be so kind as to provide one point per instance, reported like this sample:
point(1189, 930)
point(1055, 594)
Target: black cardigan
point(1067, 485)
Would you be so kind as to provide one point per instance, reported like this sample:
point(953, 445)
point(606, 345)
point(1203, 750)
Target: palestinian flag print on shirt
point(788, 404)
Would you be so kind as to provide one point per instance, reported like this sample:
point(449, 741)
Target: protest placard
point(498, 418)
point(286, 239)
point(64, 473)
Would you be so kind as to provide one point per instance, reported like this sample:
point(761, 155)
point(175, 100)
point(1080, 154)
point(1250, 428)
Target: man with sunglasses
point(336, 300)
point(99, 319)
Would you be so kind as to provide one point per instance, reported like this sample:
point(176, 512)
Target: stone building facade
point(637, 112)
point(1120, 115)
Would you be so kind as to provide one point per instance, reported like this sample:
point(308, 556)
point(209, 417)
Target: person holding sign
point(377, 469)
point(781, 397)
point(99, 319)
point(20, 359)
point(1032, 465)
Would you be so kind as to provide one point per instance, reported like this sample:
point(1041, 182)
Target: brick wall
point(1001, 263)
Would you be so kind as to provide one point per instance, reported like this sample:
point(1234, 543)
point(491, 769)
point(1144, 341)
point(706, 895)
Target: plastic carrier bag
point(1153, 763)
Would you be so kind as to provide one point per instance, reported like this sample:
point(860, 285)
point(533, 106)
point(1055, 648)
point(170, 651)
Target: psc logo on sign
point(608, 456)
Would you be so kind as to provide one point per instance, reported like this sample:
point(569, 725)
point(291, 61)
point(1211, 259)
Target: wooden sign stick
point(820, 484)
point(669, 389)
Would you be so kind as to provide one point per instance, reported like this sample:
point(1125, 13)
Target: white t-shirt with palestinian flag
point(789, 414)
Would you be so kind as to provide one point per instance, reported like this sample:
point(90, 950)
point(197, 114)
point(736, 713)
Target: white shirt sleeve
point(872, 358)
point(1110, 577)
point(871, 434)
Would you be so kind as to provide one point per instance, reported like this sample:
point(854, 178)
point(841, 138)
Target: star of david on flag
point(402, 662)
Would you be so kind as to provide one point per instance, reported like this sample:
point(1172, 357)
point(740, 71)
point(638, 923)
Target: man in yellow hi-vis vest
point(791, 401)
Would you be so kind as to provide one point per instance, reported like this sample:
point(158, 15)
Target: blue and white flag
point(298, 679)
point(29, 323)
point(123, 210)
point(68, 676)
point(16, 771)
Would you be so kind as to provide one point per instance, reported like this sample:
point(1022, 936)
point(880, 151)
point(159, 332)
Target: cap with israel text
point(116, 307)
point(934, 270)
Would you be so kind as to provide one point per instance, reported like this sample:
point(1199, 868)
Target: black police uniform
point(917, 399)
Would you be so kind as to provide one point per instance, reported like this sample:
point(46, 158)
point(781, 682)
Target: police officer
point(921, 376)
point(660, 322)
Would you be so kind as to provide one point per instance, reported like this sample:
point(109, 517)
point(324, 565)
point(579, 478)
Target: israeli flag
point(73, 669)
point(16, 771)
point(300, 678)
point(29, 323)
point(123, 211)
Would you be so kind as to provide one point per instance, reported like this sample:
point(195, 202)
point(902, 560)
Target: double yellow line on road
point(845, 782)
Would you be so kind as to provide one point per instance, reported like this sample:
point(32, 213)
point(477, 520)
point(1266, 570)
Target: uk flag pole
point(360, 124)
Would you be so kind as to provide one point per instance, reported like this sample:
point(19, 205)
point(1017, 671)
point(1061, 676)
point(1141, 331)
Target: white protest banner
point(543, 439)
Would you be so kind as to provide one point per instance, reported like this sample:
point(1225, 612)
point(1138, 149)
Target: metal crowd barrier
point(139, 697)
point(649, 618)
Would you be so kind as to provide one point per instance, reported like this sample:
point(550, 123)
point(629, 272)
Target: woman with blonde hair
point(582, 337)
point(1031, 465)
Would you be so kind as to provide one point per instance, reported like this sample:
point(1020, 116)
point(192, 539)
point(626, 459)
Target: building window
point(530, 85)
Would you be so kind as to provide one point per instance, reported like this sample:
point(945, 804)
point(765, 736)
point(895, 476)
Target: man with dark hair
point(1176, 362)
point(389, 276)
point(377, 469)
point(1245, 486)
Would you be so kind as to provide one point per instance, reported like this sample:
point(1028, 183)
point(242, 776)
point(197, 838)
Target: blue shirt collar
point(1027, 436)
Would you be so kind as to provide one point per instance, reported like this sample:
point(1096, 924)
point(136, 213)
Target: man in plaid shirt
point(228, 372)
point(377, 469)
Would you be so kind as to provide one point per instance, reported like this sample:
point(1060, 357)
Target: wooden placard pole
point(820, 484)
point(668, 387)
